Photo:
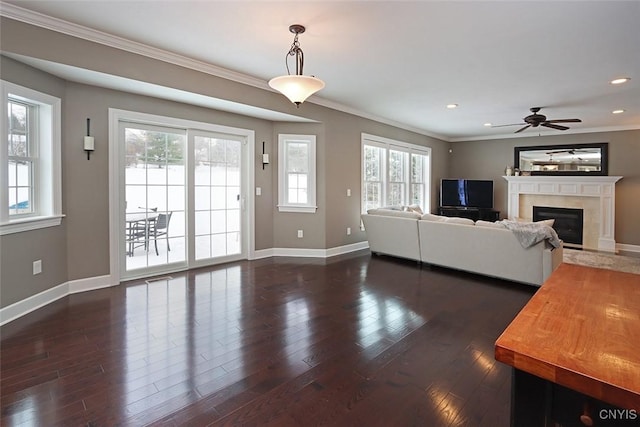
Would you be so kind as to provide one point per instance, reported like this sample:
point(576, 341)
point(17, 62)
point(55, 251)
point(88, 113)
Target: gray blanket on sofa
point(530, 233)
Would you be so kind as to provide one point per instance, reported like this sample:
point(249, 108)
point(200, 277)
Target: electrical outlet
point(300, 234)
point(258, 191)
point(37, 267)
point(348, 231)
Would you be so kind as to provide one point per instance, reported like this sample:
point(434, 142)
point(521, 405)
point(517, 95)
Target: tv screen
point(467, 193)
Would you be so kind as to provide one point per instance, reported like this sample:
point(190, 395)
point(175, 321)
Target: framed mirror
point(567, 159)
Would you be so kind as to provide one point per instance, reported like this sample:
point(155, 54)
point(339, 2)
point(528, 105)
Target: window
point(21, 156)
point(30, 184)
point(297, 173)
point(394, 173)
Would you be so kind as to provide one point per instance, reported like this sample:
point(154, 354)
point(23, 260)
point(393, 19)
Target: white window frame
point(47, 165)
point(283, 203)
point(389, 144)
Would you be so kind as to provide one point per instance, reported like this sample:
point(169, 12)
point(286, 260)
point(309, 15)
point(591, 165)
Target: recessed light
point(452, 106)
point(618, 111)
point(620, 81)
point(488, 124)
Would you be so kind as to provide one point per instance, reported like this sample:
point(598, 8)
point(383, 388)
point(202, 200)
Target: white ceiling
point(405, 61)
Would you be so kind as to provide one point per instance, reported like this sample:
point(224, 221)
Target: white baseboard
point(90, 284)
point(300, 252)
point(27, 305)
point(262, 253)
point(310, 253)
point(340, 250)
point(34, 302)
point(628, 248)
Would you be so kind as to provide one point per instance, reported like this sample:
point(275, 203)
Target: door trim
point(116, 197)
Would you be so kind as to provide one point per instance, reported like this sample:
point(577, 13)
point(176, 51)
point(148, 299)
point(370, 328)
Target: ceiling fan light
point(619, 81)
point(295, 87)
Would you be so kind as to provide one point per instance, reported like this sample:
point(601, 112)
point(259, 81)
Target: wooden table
point(581, 330)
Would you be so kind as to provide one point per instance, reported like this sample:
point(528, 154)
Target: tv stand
point(471, 213)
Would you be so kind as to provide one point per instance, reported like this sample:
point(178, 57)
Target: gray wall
point(488, 159)
point(80, 247)
point(18, 251)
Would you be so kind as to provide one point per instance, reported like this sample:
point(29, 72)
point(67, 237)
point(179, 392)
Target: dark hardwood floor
point(355, 340)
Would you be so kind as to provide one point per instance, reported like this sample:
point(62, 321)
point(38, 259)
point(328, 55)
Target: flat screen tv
point(466, 193)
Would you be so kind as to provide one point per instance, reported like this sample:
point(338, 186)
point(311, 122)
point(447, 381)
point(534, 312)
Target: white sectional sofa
point(393, 232)
point(459, 243)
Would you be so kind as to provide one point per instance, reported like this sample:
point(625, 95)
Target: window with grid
point(22, 157)
point(297, 173)
point(372, 176)
point(418, 189)
point(394, 173)
point(30, 183)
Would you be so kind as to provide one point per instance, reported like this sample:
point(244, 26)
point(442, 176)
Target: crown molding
point(40, 20)
point(17, 13)
point(345, 109)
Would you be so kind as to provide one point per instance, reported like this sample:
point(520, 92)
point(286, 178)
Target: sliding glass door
point(218, 200)
point(154, 225)
point(183, 198)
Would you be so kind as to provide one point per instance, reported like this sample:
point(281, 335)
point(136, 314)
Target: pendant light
point(296, 87)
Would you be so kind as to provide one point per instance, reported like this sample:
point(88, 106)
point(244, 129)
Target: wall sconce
point(296, 87)
point(265, 157)
point(89, 143)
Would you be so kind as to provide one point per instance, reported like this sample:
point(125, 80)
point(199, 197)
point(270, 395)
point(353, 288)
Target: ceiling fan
point(572, 151)
point(535, 120)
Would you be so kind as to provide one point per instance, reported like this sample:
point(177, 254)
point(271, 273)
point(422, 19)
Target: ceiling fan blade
point(512, 124)
point(521, 129)
point(565, 121)
point(551, 125)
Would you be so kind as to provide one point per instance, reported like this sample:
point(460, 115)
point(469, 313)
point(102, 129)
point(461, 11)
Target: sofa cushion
point(390, 212)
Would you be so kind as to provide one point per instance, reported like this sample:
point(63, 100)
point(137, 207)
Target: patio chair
point(139, 232)
point(160, 227)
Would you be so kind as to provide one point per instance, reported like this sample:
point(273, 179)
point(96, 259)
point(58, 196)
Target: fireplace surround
point(594, 194)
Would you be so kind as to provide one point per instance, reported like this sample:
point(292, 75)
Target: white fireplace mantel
point(602, 187)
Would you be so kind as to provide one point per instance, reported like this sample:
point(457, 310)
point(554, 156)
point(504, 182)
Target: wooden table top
point(581, 330)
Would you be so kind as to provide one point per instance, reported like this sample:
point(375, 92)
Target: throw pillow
point(456, 220)
point(393, 207)
point(548, 222)
point(414, 208)
point(432, 217)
